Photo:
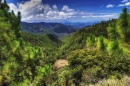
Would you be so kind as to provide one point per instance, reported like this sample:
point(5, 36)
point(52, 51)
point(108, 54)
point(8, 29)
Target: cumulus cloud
point(125, 4)
point(67, 9)
point(35, 10)
point(109, 6)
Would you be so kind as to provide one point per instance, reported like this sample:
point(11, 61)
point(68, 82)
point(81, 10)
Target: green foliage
point(113, 45)
point(79, 39)
point(100, 28)
point(123, 24)
point(95, 66)
point(113, 32)
point(101, 43)
point(91, 40)
point(96, 52)
point(16, 44)
point(19, 59)
point(43, 71)
point(47, 40)
point(27, 59)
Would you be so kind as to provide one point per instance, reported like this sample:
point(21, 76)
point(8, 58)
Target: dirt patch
point(60, 63)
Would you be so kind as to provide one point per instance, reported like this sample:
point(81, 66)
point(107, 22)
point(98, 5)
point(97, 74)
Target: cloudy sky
point(67, 10)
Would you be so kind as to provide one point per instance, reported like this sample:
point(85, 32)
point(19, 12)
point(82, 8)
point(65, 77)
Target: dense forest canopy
point(97, 55)
point(21, 63)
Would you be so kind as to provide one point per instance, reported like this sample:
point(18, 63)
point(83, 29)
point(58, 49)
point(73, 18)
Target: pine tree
point(113, 32)
point(0, 2)
point(4, 6)
point(123, 24)
point(18, 27)
point(101, 43)
point(17, 58)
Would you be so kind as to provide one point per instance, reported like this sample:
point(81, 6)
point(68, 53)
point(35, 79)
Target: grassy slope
point(45, 40)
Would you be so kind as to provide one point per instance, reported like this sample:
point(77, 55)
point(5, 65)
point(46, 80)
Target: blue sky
point(68, 10)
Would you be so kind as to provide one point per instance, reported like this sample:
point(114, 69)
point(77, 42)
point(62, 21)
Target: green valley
point(97, 55)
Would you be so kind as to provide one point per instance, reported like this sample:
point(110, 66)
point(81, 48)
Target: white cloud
point(55, 7)
point(125, 4)
point(13, 7)
point(120, 5)
point(35, 10)
point(101, 15)
point(66, 8)
point(84, 16)
point(109, 6)
point(124, 1)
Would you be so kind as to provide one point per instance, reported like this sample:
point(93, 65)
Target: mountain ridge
point(47, 28)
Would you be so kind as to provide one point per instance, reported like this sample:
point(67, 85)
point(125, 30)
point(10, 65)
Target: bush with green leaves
point(91, 40)
point(95, 66)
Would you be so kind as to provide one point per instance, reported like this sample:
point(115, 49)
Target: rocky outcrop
point(60, 64)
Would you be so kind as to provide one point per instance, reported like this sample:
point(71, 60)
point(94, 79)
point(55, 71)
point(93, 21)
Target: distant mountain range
point(59, 29)
point(79, 25)
point(47, 28)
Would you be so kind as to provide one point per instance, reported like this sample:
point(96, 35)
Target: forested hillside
point(21, 62)
point(47, 28)
point(44, 40)
point(98, 55)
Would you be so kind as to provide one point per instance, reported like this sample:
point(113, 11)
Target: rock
point(60, 64)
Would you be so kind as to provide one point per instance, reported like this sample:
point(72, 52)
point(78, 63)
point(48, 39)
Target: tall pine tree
point(123, 24)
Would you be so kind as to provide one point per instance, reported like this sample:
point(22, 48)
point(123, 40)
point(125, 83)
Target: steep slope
point(45, 40)
point(77, 40)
